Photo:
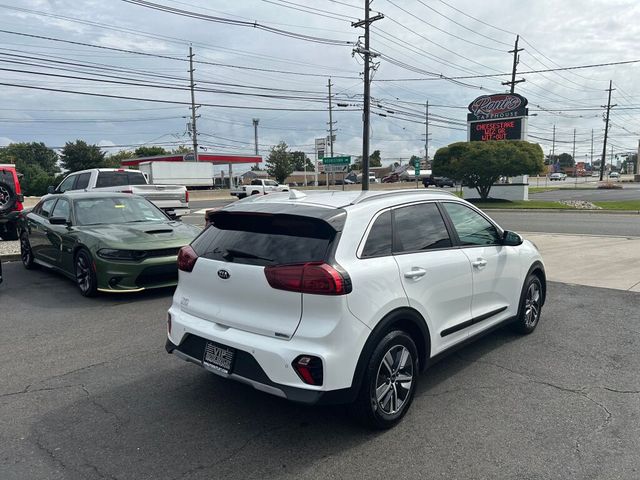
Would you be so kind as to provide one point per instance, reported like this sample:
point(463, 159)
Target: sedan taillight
point(187, 258)
point(315, 277)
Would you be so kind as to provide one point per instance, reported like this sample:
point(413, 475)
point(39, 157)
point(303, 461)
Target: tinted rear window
point(259, 239)
point(112, 179)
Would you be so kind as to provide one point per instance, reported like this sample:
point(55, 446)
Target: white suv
point(344, 297)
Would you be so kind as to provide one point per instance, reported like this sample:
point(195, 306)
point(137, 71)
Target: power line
point(238, 23)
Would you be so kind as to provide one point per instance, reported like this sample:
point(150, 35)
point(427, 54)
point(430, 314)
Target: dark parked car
point(108, 242)
point(438, 181)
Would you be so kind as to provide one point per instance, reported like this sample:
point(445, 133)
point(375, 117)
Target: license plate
point(218, 357)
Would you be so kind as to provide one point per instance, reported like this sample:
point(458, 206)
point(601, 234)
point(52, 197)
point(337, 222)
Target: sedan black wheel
point(530, 305)
point(26, 254)
point(389, 382)
point(85, 274)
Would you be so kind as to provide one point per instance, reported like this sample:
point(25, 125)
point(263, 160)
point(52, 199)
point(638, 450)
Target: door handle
point(415, 272)
point(480, 263)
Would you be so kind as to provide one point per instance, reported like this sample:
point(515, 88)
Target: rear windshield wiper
point(231, 253)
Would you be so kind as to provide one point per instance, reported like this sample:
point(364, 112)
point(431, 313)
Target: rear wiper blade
point(231, 253)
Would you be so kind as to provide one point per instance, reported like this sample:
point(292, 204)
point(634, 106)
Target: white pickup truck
point(172, 199)
point(258, 187)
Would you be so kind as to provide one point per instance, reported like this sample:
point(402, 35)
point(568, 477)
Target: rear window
point(265, 239)
point(118, 179)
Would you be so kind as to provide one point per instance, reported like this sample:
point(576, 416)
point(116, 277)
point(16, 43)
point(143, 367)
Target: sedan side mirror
point(511, 239)
point(59, 221)
point(51, 189)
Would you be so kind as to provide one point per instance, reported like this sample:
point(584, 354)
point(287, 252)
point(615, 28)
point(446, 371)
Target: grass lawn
point(531, 204)
point(542, 189)
point(620, 205)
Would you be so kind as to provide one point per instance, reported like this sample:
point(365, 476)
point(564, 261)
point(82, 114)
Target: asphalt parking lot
point(87, 392)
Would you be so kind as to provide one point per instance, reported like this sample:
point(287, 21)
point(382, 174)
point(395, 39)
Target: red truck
point(11, 199)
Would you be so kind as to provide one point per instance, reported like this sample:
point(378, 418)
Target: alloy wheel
point(83, 273)
point(25, 250)
point(532, 305)
point(394, 380)
point(5, 197)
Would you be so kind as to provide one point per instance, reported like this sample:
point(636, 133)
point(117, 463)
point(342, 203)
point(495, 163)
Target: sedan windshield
point(95, 211)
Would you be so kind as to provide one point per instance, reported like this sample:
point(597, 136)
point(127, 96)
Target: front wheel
point(85, 274)
point(389, 382)
point(530, 306)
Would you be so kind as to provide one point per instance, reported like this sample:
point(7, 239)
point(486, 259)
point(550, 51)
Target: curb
point(10, 257)
point(563, 210)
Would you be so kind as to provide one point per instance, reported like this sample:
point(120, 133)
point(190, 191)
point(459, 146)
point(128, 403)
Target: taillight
point(186, 196)
point(309, 369)
point(315, 277)
point(187, 259)
point(127, 191)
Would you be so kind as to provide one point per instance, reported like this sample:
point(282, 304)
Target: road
point(629, 192)
point(520, 221)
point(87, 392)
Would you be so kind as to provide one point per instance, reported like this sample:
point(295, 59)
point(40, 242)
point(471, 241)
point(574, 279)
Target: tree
point(151, 151)
point(480, 164)
point(414, 159)
point(181, 150)
point(566, 160)
point(36, 162)
point(374, 159)
point(300, 161)
point(115, 160)
point(279, 163)
point(80, 156)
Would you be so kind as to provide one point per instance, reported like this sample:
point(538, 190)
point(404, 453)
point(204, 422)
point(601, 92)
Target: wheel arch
point(537, 269)
point(406, 319)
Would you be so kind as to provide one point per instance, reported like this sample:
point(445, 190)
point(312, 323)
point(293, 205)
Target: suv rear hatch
point(228, 284)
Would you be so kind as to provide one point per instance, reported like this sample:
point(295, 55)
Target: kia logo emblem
point(223, 274)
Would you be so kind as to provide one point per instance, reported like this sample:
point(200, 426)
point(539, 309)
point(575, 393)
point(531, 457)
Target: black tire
point(255, 192)
point(10, 231)
point(85, 274)
point(385, 382)
point(26, 253)
point(530, 307)
point(7, 197)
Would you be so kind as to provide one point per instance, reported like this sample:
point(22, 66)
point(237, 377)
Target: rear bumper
point(10, 217)
point(247, 370)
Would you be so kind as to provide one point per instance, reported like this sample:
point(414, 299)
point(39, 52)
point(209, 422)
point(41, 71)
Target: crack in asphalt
point(28, 389)
point(578, 391)
point(232, 454)
point(620, 391)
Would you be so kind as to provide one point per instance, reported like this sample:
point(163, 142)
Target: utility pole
point(592, 149)
point(426, 133)
point(194, 132)
point(367, 88)
point(331, 122)
point(516, 61)
point(553, 144)
point(575, 164)
point(606, 130)
point(255, 135)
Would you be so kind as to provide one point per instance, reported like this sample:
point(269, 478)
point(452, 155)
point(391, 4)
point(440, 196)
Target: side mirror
point(511, 239)
point(59, 221)
point(51, 189)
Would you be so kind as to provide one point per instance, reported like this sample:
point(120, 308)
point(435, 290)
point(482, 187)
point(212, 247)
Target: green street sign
point(417, 169)
point(336, 160)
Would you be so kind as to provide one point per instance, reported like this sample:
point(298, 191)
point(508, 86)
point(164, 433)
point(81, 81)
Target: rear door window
point(419, 227)
point(259, 239)
point(83, 181)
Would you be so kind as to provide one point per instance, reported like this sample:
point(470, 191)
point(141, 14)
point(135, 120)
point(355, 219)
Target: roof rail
point(366, 196)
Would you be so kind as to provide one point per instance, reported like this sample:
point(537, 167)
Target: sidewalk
point(591, 260)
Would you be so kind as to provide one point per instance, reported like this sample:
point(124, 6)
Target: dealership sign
point(497, 117)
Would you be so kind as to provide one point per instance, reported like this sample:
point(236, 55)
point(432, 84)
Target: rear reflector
point(309, 369)
point(186, 196)
point(187, 258)
point(316, 277)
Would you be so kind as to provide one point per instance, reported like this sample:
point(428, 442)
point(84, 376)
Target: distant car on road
point(108, 242)
point(557, 177)
point(614, 175)
point(438, 181)
point(258, 186)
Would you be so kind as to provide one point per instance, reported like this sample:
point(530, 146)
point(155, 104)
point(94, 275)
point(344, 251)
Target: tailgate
point(155, 193)
point(228, 285)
